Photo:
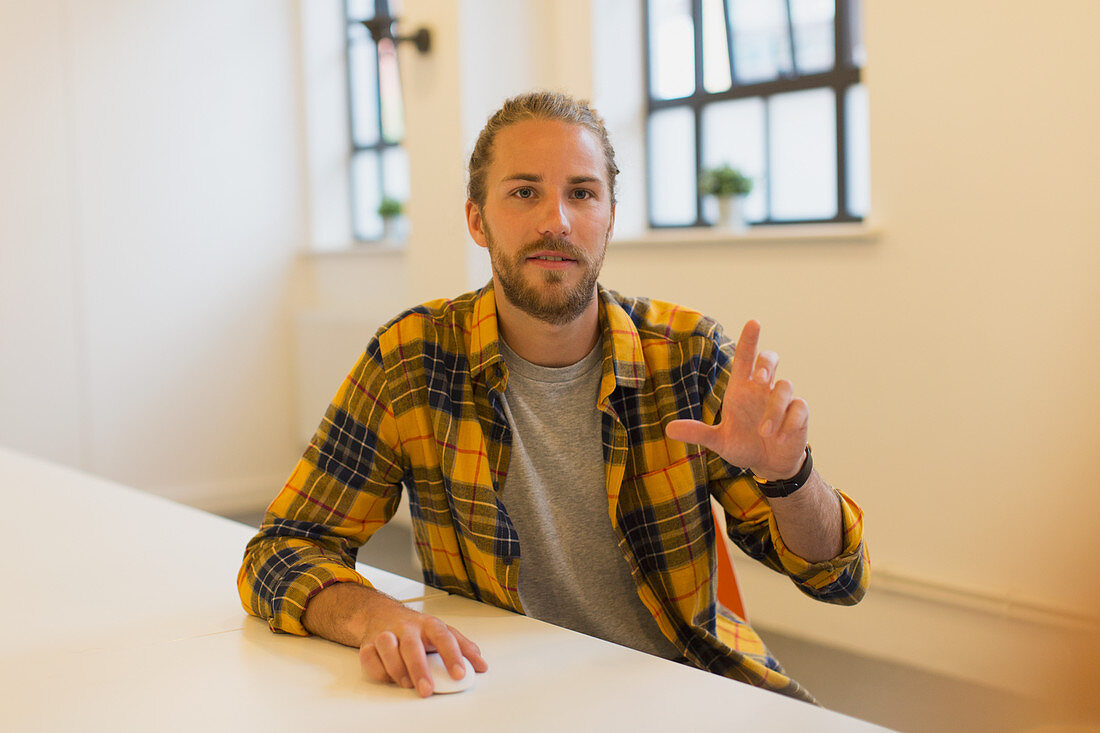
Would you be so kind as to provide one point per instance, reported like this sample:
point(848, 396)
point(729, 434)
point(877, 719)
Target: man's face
point(547, 217)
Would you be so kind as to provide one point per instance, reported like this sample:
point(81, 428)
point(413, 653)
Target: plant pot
point(390, 232)
point(731, 214)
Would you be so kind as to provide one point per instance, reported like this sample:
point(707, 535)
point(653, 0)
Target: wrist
point(343, 612)
point(779, 488)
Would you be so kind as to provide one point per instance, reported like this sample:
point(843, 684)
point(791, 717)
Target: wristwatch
point(786, 487)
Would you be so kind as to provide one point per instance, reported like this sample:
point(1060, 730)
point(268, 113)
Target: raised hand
point(763, 425)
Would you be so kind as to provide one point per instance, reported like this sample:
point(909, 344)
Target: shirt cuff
point(292, 602)
point(820, 574)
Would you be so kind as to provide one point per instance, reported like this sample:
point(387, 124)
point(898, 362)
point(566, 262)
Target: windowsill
point(387, 248)
point(679, 237)
point(763, 234)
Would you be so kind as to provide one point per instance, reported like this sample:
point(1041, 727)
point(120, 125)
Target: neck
point(544, 343)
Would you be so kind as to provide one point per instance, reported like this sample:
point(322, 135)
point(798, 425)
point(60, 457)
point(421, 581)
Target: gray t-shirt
point(572, 572)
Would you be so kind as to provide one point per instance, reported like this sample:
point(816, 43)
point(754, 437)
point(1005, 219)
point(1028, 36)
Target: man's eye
point(525, 193)
point(582, 194)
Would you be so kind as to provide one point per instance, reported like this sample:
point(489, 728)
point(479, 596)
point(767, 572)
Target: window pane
point(364, 9)
point(813, 35)
point(716, 57)
point(761, 50)
point(855, 32)
point(733, 133)
point(360, 9)
point(859, 155)
point(362, 78)
point(395, 173)
point(671, 48)
point(367, 197)
point(672, 183)
point(393, 112)
point(802, 145)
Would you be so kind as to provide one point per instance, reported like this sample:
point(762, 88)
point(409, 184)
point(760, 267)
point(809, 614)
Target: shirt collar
point(622, 347)
point(483, 344)
point(622, 344)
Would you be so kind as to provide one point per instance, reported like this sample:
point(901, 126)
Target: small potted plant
point(729, 186)
point(390, 210)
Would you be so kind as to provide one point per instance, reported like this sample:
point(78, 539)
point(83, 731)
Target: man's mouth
point(551, 258)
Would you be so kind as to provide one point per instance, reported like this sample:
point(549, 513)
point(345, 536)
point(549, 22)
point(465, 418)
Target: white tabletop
point(103, 564)
point(122, 614)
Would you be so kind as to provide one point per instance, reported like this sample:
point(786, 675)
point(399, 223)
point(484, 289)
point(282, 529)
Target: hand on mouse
point(396, 643)
point(393, 640)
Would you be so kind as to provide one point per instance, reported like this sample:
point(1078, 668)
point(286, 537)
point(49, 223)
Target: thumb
point(692, 431)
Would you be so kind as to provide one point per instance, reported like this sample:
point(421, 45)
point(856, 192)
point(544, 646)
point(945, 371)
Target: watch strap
point(786, 487)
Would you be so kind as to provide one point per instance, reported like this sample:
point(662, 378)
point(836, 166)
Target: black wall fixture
point(381, 26)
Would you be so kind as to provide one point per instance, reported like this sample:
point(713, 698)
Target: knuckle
point(435, 625)
point(385, 640)
point(409, 635)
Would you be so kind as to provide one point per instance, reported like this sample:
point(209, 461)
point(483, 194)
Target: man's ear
point(611, 224)
point(475, 222)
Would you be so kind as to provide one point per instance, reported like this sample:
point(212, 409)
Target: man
point(559, 444)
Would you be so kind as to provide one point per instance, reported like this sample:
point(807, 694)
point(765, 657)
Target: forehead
point(549, 148)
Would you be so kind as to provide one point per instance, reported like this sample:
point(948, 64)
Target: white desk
point(121, 614)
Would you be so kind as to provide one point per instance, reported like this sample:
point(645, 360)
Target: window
point(379, 166)
point(771, 87)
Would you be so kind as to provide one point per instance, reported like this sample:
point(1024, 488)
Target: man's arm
point(764, 428)
point(810, 520)
point(392, 640)
point(299, 572)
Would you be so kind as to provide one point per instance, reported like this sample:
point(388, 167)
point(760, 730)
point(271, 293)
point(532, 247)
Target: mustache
point(562, 246)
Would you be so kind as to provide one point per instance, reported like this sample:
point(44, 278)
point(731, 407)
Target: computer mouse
point(442, 682)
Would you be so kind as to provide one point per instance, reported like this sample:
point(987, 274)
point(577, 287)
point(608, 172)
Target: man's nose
point(554, 218)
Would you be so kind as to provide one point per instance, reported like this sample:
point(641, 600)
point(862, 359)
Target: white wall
point(41, 401)
point(154, 199)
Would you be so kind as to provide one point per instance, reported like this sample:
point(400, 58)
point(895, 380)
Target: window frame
point(379, 147)
point(844, 75)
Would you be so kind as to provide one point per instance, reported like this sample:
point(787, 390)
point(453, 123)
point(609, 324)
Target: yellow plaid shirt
point(422, 409)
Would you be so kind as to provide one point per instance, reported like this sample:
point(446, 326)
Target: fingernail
point(424, 688)
point(458, 671)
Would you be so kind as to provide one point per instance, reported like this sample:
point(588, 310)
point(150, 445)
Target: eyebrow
point(535, 178)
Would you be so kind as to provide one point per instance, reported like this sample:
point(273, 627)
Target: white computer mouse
point(442, 682)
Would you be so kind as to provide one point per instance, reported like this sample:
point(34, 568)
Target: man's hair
point(542, 105)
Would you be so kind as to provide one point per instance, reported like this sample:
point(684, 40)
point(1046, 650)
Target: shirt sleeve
point(751, 525)
point(343, 489)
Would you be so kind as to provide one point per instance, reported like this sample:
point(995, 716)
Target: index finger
point(744, 351)
point(442, 637)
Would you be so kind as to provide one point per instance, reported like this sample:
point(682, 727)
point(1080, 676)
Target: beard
point(546, 296)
